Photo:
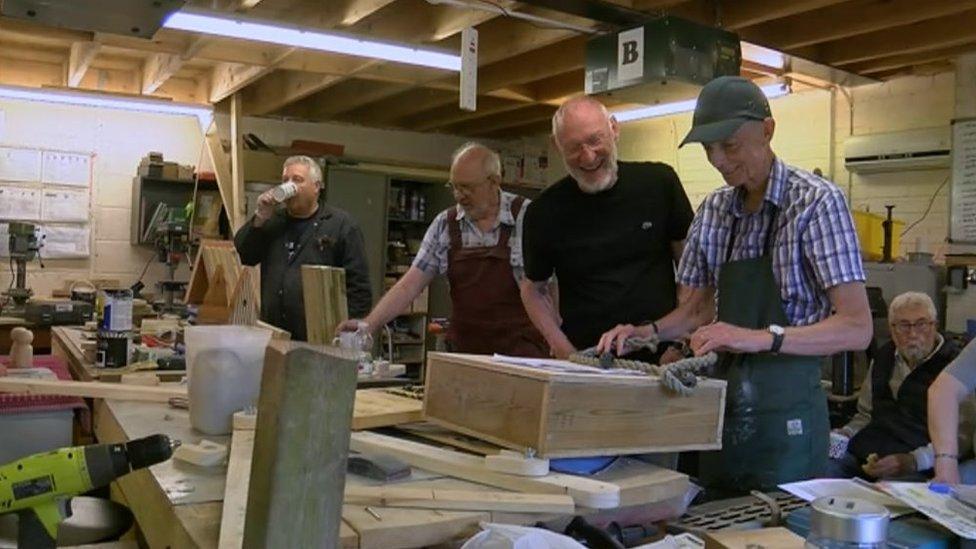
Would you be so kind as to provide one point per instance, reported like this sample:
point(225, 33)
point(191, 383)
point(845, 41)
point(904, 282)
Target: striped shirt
point(432, 256)
point(814, 245)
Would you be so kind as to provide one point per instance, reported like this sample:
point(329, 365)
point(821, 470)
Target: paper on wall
point(20, 203)
point(20, 164)
point(64, 205)
point(64, 168)
point(65, 241)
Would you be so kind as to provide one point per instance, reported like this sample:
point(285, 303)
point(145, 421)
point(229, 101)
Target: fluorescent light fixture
point(249, 29)
point(771, 91)
point(763, 56)
point(85, 99)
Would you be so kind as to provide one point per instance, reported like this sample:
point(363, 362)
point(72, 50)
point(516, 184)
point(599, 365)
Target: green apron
point(776, 424)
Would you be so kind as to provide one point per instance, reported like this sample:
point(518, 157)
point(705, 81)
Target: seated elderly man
point(888, 437)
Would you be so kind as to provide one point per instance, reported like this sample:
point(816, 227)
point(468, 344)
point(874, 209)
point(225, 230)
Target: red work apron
point(488, 315)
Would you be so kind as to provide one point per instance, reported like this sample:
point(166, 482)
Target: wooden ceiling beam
point(849, 19)
point(538, 127)
point(894, 62)
point(160, 67)
point(438, 23)
point(919, 37)
point(518, 117)
point(80, 57)
point(744, 13)
point(229, 78)
point(499, 38)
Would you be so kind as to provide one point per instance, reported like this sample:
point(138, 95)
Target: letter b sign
point(630, 53)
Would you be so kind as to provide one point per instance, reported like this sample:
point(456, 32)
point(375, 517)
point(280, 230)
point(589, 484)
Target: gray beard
point(593, 188)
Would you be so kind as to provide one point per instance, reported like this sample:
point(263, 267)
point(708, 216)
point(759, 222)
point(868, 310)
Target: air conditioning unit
point(922, 149)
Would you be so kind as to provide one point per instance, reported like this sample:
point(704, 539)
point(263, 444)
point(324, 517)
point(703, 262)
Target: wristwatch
point(778, 333)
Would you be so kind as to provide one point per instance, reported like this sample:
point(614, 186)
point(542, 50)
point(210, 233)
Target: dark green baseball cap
point(723, 105)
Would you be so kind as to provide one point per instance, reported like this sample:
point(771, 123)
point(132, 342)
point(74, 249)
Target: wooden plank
point(80, 58)
point(324, 290)
point(378, 408)
point(235, 489)
point(221, 165)
point(769, 538)
point(409, 528)
point(157, 69)
point(585, 492)
point(301, 444)
point(246, 300)
point(91, 389)
point(441, 435)
point(466, 500)
point(236, 160)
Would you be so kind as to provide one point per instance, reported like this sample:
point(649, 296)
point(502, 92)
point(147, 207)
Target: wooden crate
point(562, 414)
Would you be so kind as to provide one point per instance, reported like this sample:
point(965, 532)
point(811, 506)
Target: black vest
point(899, 426)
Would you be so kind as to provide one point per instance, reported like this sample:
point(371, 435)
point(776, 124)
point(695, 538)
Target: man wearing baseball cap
point(776, 252)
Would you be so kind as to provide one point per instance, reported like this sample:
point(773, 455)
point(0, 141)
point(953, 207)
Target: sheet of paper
point(942, 508)
point(64, 205)
point(557, 365)
point(64, 168)
point(20, 164)
point(809, 490)
point(20, 203)
point(66, 241)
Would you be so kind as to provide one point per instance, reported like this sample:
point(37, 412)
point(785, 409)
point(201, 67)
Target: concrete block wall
point(119, 140)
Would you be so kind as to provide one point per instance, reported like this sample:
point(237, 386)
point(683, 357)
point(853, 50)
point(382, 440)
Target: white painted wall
point(119, 140)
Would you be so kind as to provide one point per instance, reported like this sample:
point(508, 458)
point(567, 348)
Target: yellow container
point(870, 232)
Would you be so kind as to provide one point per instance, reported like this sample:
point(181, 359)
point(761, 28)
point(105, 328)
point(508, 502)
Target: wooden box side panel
point(600, 419)
point(491, 405)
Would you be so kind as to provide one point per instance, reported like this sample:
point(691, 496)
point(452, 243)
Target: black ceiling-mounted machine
point(140, 18)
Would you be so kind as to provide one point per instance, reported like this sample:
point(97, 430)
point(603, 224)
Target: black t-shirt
point(611, 251)
point(295, 227)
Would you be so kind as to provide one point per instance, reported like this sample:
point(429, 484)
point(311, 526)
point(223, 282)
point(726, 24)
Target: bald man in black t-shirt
point(611, 232)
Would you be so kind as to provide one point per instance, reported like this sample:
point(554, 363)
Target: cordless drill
point(38, 487)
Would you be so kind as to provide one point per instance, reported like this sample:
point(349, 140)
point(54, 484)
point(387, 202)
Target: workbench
point(65, 342)
point(42, 334)
point(172, 508)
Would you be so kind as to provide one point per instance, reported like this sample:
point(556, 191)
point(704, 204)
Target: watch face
point(776, 329)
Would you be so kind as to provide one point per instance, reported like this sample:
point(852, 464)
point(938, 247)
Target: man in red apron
point(477, 245)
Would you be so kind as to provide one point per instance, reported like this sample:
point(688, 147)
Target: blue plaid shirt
point(814, 244)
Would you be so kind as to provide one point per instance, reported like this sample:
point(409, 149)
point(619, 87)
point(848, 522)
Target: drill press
point(23, 248)
point(169, 231)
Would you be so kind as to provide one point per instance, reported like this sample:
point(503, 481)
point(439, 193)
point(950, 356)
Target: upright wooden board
point(301, 443)
point(324, 289)
point(567, 414)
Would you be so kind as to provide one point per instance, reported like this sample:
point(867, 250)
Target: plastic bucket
point(224, 365)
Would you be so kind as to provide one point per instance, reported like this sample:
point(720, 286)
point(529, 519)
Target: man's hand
point(722, 336)
point(563, 352)
point(352, 325)
point(266, 207)
point(671, 354)
point(895, 465)
point(615, 339)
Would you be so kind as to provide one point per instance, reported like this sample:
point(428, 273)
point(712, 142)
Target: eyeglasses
point(465, 189)
point(594, 141)
point(907, 327)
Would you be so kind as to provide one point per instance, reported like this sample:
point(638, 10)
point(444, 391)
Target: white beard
point(606, 180)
